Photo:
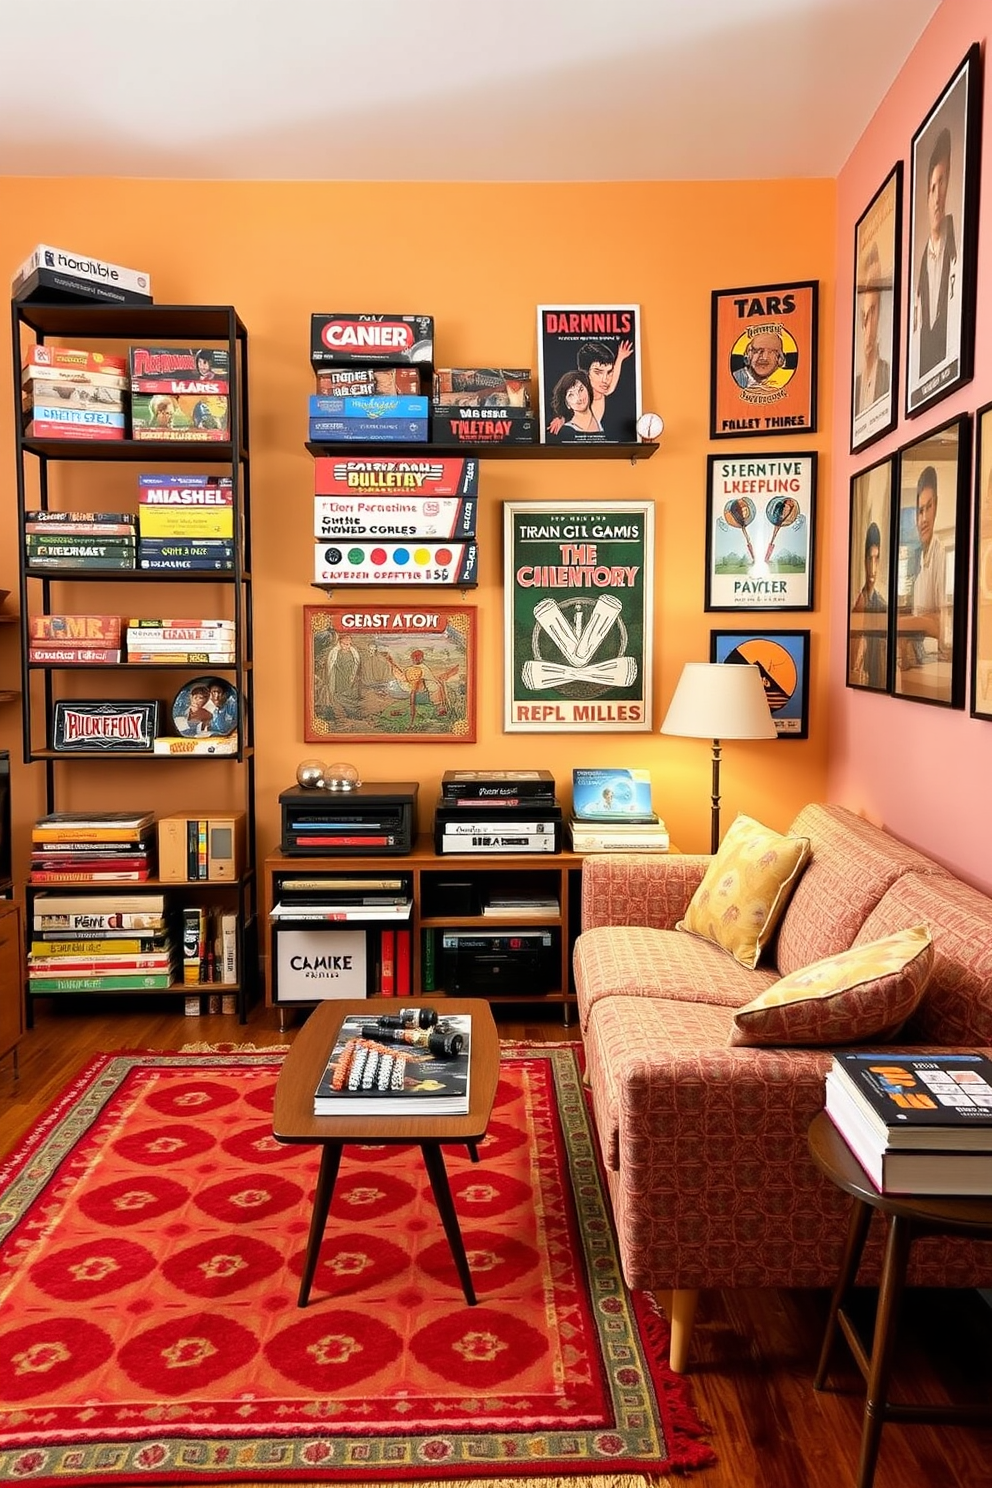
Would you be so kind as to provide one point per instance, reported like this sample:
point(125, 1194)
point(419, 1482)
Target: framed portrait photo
point(763, 360)
point(943, 235)
point(782, 658)
point(929, 573)
point(760, 526)
point(981, 625)
point(877, 297)
point(869, 565)
point(577, 590)
point(378, 672)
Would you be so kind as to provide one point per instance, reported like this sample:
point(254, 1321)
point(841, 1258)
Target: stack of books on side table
point(612, 812)
point(918, 1124)
point(396, 1067)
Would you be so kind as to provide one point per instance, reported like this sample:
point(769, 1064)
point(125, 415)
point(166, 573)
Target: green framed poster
point(577, 597)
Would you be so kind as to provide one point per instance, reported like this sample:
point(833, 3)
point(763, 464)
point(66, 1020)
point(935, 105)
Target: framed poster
point(577, 596)
point(782, 658)
point(375, 672)
point(875, 339)
point(943, 231)
point(868, 568)
point(930, 565)
point(760, 525)
point(763, 360)
point(981, 631)
point(589, 373)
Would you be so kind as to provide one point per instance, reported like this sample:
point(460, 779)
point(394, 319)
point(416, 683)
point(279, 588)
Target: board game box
point(344, 337)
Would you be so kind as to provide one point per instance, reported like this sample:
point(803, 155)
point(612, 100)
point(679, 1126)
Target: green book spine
point(428, 967)
point(138, 982)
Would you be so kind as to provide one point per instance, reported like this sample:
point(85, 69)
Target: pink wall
point(924, 773)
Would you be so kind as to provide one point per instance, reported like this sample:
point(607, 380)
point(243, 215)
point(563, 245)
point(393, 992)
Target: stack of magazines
point(397, 1068)
point(918, 1124)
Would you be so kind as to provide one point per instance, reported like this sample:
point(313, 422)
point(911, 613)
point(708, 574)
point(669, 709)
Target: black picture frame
point(782, 657)
point(945, 160)
point(760, 531)
point(772, 393)
point(928, 576)
point(877, 299)
point(981, 585)
point(869, 564)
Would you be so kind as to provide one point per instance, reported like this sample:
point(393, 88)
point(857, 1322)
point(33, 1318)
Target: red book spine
point(387, 972)
point(403, 980)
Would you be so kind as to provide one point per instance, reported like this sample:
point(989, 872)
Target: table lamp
point(719, 700)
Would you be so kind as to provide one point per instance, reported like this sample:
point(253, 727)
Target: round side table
point(907, 1217)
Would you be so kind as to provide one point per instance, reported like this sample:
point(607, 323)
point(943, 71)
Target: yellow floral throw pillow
point(745, 889)
point(864, 993)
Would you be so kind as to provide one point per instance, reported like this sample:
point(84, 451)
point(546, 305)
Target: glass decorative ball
point(310, 774)
point(341, 776)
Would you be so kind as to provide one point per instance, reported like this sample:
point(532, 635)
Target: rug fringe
point(676, 1388)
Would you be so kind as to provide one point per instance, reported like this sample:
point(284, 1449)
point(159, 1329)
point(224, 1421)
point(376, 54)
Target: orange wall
point(479, 258)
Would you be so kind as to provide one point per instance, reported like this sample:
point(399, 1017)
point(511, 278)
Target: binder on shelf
point(192, 848)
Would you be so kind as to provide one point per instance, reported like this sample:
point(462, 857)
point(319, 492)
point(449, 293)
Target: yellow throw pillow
point(745, 889)
point(858, 995)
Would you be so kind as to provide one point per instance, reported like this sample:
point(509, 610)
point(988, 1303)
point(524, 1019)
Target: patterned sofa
point(704, 1144)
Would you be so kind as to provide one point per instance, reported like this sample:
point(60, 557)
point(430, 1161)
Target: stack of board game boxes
point(497, 811)
point(186, 522)
point(180, 393)
point(88, 541)
point(68, 394)
point(388, 519)
point(368, 370)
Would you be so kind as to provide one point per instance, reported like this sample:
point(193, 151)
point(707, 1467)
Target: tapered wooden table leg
point(330, 1161)
point(434, 1163)
point(857, 1233)
point(883, 1344)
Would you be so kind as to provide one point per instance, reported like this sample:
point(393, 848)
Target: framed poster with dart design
point(577, 596)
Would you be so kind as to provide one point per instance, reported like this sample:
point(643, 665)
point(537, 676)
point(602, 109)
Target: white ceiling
point(488, 90)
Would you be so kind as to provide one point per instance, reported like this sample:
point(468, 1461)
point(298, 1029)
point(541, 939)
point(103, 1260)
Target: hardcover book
point(403, 1072)
point(939, 1100)
point(590, 373)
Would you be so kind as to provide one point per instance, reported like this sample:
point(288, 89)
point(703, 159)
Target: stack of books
point(397, 1071)
point(100, 943)
point(180, 393)
point(612, 812)
point(69, 394)
point(181, 642)
point(93, 847)
point(74, 640)
point(483, 405)
point(185, 522)
point(918, 1124)
point(491, 811)
point(86, 540)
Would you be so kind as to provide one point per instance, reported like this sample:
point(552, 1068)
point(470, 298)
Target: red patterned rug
point(151, 1242)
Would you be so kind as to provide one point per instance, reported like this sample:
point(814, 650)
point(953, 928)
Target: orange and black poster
point(763, 373)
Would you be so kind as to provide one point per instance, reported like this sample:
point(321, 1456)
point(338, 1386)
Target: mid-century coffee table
point(293, 1119)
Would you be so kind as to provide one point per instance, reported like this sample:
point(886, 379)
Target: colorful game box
point(344, 337)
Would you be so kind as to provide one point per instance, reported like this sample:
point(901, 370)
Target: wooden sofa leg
point(683, 1315)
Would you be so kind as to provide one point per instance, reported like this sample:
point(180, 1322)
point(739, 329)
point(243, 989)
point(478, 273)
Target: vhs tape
point(392, 474)
point(396, 563)
point(344, 337)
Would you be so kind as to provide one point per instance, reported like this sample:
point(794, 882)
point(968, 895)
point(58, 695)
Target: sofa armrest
point(650, 889)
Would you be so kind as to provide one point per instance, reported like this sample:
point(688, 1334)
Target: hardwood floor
point(753, 1352)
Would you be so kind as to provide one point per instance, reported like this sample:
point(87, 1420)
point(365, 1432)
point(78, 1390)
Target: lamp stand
point(715, 799)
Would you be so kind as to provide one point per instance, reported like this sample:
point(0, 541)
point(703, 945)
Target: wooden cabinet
point(554, 876)
point(11, 978)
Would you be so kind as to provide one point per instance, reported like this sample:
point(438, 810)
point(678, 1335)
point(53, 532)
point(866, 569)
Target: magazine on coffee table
point(408, 1071)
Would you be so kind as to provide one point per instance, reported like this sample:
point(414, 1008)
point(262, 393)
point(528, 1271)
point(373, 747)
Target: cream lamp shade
point(719, 700)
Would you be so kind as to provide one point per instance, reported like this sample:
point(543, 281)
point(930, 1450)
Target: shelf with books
point(49, 496)
point(446, 894)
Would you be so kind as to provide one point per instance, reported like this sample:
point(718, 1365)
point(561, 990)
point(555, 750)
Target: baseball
point(650, 425)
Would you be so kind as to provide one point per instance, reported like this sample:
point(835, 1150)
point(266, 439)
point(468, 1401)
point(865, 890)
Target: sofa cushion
point(745, 889)
point(632, 962)
point(851, 865)
point(858, 995)
point(957, 1005)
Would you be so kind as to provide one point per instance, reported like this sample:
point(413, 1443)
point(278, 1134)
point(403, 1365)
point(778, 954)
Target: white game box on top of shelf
point(59, 269)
